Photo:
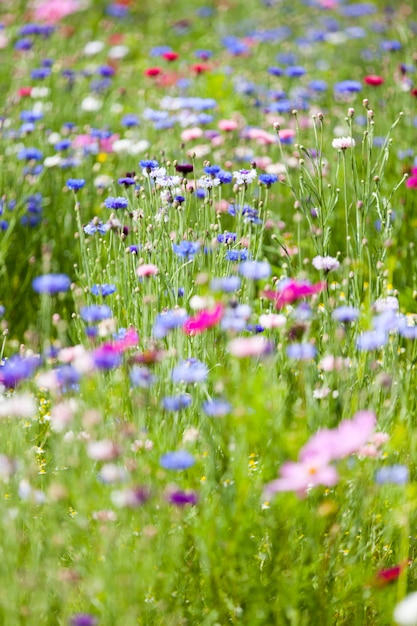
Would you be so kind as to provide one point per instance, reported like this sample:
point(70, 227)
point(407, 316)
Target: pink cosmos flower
point(52, 11)
point(411, 182)
point(300, 477)
point(203, 320)
point(292, 291)
point(338, 443)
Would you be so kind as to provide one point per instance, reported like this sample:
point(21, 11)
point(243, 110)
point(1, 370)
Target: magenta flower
point(292, 291)
point(203, 320)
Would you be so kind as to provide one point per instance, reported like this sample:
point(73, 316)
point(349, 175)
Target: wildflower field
point(208, 313)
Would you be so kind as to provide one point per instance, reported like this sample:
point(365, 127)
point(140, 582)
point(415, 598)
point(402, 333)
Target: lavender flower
point(190, 371)
point(51, 283)
point(178, 460)
point(116, 203)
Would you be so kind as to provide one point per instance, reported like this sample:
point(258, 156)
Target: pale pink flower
point(52, 11)
point(227, 125)
point(191, 133)
point(300, 477)
point(104, 450)
point(272, 320)
point(242, 347)
point(130, 340)
point(148, 269)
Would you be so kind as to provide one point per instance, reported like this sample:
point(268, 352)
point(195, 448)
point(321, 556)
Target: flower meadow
point(208, 313)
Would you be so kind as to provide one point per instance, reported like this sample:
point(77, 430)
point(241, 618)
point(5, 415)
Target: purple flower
point(51, 283)
point(190, 371)
point(106, 357)
point(182, 498)
point(227, 284)
point(103, 290)
point(142, 377)
point(83, 619)
point(177, 460)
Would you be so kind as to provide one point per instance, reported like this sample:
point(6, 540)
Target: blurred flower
point(242, 347)
point(75, 183)
point(405, 612)
point(342, 143)
point(396, 474)
point(182, 498)
point(178, 460)
point(256, 270)
point(203, 320)
point(190, 371)
point(83, 619)
point(326, 263)
point(290, 290)
point(51, 283)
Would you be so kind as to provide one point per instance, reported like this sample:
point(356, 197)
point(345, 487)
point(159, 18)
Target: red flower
point(24, 92)
point(414, 92)
point(200, 68)
point(170, 56)
point(153, 71)
point(389, 575)
point(373, 80)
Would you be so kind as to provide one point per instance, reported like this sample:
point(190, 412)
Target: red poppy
point(414, 92)
point(373, 80)
point(153, 71)
point(170, 56)
point(200, 68)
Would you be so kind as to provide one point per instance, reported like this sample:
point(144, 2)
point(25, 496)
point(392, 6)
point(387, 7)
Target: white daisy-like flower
point(207, 182)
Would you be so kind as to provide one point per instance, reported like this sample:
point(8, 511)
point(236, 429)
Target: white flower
point(207, 182)
point(325, 263)
point(93, 47)
point(405, 613)
point(118, 52)
point(341, 143)
point(245, 177)
point(91, 104)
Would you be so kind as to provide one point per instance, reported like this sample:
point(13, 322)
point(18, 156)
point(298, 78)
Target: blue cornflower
point(31, 116)
point(226, 237)
point(186, 249)
point(106, 357)
point(235, 318)
point(63, 145)
point(142, 377)
point(275, 71)
point(95, 313)
point(347, 86)
point(346, 314)
point(224, 177)
point(176, 403)
point(227, 284)
point(212, 170)
point(237, 255)
point(301, 351)
point(149, 165)
point(294, 71)
point(256, 270)
point(178, 460)
point(40, 73)
point(390, 46)
point(103, 290)
point(397, 474)
point(17, 368)
point(30, 154)
point(75, 183)
point(168, 321)
point(371, 340)
point(116, 203)
point(129, 120)
point(217, 407)
point(51, 283)
point(190, 371)
point(268, 179)
point(23, 44)
point(126, 181)
point(96, 227)
point(67, 376)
